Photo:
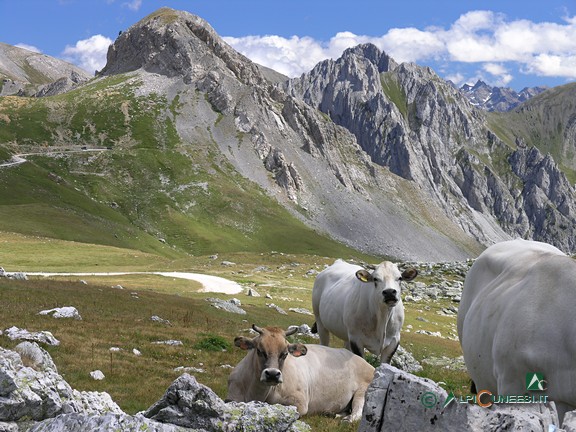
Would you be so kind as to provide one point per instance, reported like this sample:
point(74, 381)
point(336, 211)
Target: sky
point(507, 43)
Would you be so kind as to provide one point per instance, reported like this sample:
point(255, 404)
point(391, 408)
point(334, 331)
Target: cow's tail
point(314, 328)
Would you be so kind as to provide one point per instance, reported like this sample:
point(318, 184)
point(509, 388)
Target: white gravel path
point(210, 283)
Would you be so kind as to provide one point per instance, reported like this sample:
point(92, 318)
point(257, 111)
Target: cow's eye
point(283, 355)
point(261, 353)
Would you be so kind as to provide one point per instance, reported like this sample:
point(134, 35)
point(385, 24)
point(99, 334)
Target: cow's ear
point(364, 275)
point(297, 350)
point(409, 274)
point(243, 343)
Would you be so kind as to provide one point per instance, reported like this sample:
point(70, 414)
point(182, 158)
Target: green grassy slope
point(145, 190)
point(546, 122)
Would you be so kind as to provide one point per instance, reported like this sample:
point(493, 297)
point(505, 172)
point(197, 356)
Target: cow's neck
point(256, 390)
point(384, 318)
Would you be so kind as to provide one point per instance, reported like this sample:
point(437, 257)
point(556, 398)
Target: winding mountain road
point(19, 159)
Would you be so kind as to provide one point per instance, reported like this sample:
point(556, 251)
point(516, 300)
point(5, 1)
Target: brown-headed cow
point(313, 378)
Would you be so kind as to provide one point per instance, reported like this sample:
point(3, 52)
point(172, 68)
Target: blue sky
point(503, 42)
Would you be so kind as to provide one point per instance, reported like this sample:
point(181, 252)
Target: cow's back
point(330, 294)
point(500, 262)
point(516, 317)
point(330, 377)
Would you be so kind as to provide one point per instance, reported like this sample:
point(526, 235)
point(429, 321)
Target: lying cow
point(314, 378)
point(362, 308)
point(516, 318)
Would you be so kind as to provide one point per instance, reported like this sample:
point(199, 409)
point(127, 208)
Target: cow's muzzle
point(390, 297)
point(271, 376)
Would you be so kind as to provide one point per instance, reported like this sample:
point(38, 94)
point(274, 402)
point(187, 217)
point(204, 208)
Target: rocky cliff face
point(409, 120)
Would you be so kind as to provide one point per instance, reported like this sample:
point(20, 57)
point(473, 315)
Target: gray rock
point(32, 355)
point(404, 360)
point(400, 401)
point(569, 423)
point(304, 329)
point(8, 427)
point(156, 318)
point(277, 308)
point(497, 98)
point(41, 401)
point(227, 305)
point(17, 276)
point(26, 393)
point(62, 312)
point(190, 404)
point(303, 311)
point(253, 293)
point(46, 337)
point(83, 422)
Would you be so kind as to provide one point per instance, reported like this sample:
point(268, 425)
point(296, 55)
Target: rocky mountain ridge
point(27, 73)
point(421, 128)
point(499, 99)
point(385, 157)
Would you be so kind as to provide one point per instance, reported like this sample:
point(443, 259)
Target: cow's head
point(271, 349)
point(386, 278)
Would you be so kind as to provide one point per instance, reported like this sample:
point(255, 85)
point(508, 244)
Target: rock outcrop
point(404, 402)
point(35, 398)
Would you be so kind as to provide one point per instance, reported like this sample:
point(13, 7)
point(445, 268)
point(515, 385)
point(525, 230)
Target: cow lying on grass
point(314, 378)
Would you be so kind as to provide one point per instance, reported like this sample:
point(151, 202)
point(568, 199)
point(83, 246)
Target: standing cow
point(516, 318)
point(314, 378)
point(362, 308)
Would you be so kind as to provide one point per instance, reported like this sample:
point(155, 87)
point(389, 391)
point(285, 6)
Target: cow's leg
point(357, 405)
point(388, 351)
point(298, 399)
point(323, 333)
point(356, 348)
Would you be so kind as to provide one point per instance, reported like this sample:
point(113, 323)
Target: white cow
point(518, 316)
point(314, 378)
point(362, 308)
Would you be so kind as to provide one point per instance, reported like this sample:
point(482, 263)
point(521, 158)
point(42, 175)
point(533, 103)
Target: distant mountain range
point(499, 99)
point(208, 151)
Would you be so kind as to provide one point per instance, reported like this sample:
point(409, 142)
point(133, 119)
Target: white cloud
point(28, 47)
point(288, 56)
point(89, 54)
point(500, 74)
point(483, 37)
point(133, 5)
point(457, 78)
point(553, 66)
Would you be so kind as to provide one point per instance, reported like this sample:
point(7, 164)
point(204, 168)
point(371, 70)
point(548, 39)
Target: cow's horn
point(257, 329)
point(369, 266)
point(291, 331)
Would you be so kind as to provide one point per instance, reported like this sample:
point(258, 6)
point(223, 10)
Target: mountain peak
point(177, 43)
